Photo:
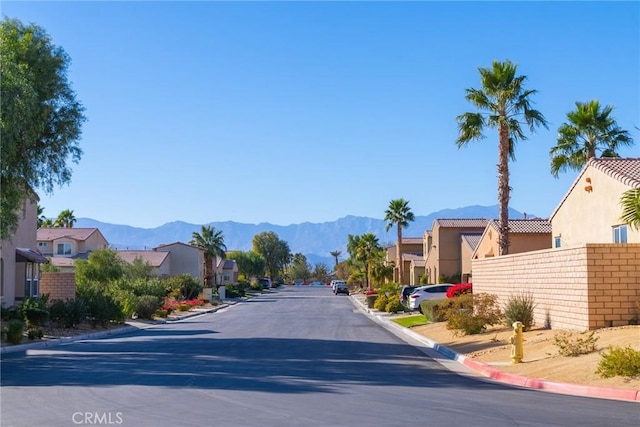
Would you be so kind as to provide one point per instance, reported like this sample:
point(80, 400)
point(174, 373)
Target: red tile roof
point(625, 170)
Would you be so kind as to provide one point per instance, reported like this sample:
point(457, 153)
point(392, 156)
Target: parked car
point(265, 282)
point(298, 282)
point(429, 292)
point(334, 283)
point(341, 288)
point(405, 292)
point(316, 283)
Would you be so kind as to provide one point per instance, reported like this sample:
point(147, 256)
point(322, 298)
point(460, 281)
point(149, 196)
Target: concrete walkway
point(485, 370)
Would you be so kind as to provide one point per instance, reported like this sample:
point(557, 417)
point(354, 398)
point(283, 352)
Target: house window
point(32, 287)
point(620, 234)
point(226, 277)
point(64, 249)
point(42, 244)
point(557, 242)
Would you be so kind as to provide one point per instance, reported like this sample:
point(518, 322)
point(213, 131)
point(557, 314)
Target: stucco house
point(444, 248)
point(19, 259)
point(158, 260)
point(410, 246)
point(63, 245)
point(590, 211)
point(227, 272)
point(468, 244)
point(185, 259)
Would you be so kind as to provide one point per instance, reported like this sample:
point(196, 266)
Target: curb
point(506, 377)
point(131, 327)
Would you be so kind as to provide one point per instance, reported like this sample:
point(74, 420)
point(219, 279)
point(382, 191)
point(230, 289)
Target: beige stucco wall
point(185, 259)
point(94, 242)
point(410, 248)
point(579, 288)
point(465, 261)
point(518, 242)
point(588, 216)
point(11, 278)
point(446, 257)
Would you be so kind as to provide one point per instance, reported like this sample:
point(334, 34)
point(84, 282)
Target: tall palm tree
point(398, 214)
point(212, 241)
point(66, 219)
point(502, 102)
point(630, 202)
point(590, 129)
point(335, 254)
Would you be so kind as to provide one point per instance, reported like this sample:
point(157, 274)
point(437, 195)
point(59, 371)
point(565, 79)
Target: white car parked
point(429, 292)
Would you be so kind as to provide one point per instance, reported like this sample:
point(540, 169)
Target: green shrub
point(571, 345)
point(256, 286)
point(103, 309)
point(15, 329)
point(35, 333)
point(147, 306)
point(69, 313)
point(519, 308)
point(145, 286)
point(35, 316)
point(233, 291)
point(188, 287)
point(624, 362)
point(161, 312)
point(381, 302)
point(436, 310)
point(126, 299)
point(394, 305)
point(8, 313)
point(470, 314)
point(184, 307)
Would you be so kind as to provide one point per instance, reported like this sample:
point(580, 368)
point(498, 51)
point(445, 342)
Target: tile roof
point(154, 258)
point(412, 240)
point(228, 264)
point(48, 234)
point(525, 225)
point(164, 245)
point(411, 257)
point(61, 262)
point(625, 170)
point(471, 239)
point(462, 222)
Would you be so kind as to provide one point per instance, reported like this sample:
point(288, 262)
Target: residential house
point(469, 243)
point(19, 259)
point(160, 261)
point(444, 255)
point(590, 278)
point(64, 245)
point(185, 259)
point(590, 211)
point(415, 269)
point(410, 246)
point(226, 272)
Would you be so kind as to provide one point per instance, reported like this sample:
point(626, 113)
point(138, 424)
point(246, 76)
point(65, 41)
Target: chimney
point(525, 215)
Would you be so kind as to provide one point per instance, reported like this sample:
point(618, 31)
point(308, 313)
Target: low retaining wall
point(60, 286)
point(581, 288)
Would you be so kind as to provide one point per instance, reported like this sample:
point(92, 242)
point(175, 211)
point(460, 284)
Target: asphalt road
point(297, 357)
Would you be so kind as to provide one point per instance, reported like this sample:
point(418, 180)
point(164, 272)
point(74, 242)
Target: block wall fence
point(580, 288)
point(58, 285)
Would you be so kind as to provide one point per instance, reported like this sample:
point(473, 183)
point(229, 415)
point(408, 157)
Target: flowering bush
point(372, 292)
point(171, 304)
point(459, 289)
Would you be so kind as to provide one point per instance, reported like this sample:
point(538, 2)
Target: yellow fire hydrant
point(517, 343)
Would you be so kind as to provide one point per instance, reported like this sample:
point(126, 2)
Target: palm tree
point(335, 254)
point(212, 241)
point(66, 219)
point(398, 214)
point(630, 202)
point(590, 129)
point(365, 252)
point(502, 102)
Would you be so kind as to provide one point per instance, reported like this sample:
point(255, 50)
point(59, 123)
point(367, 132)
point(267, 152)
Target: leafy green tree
point(275, 252)
point(364, 250)
point(40, 118)
point(138, 269)
point(399, 215)
point(66, 219)
point(321, 272)
point(102, 267)
point(300, 267)
point(250, 263)
point(630, 202)
point(590, 130)
point(212, 241)
point(380, 270)
point(502, 102)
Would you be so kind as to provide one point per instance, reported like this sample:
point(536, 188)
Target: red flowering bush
point(171, 304)
point(459, 289)
point(372, 292)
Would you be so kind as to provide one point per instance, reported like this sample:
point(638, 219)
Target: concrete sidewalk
point(485, 370)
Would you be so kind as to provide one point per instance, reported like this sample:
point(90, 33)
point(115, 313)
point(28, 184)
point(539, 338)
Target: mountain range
point(314, 240)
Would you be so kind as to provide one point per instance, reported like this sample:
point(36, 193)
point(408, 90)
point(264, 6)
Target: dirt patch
point(541, 357)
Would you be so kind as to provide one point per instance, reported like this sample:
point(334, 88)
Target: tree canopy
point(212, 241)
point(40, 118)
point(275, 252)
point(250, 263)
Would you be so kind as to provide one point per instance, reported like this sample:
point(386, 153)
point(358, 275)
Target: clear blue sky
point(291, 112)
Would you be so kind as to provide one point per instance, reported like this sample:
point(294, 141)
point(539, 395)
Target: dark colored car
point(406, 291)
point(341, 288)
